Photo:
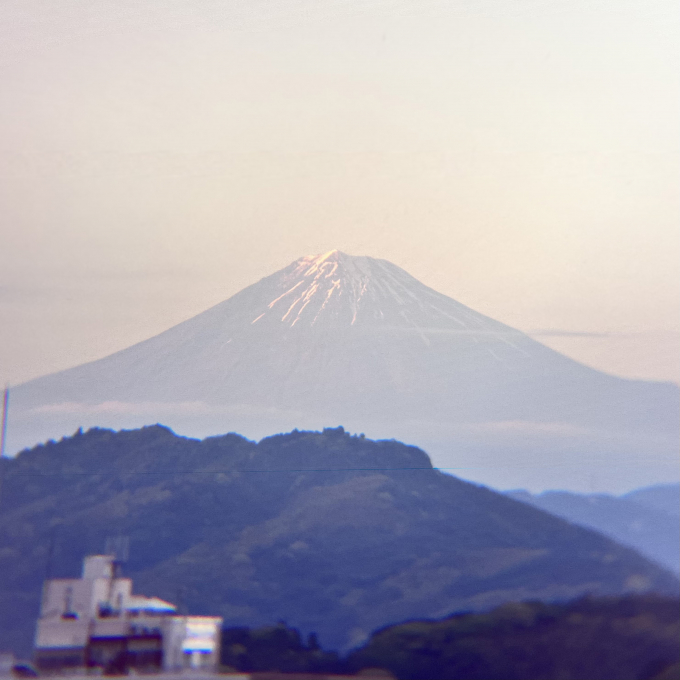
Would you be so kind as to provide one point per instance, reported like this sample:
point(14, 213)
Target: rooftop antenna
point(48, 573)
point(119, 548)
point(3, 432)
point(50, 556)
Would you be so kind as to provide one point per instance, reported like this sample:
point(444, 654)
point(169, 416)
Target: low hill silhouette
point(335, 534)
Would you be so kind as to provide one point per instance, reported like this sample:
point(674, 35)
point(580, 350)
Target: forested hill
point(628, 638)
point(332, 533)
point(631, 637)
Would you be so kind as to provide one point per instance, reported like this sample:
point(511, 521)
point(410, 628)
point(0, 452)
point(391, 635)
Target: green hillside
point(333, 533)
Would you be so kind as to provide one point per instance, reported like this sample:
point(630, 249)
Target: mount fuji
point(338, 339)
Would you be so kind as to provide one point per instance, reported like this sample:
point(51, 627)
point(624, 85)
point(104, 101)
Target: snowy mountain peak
point(312, 263)
point(331, 284)
point(347, 290)
point(336, 338)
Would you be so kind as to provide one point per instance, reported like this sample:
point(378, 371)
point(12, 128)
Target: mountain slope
point(648, 528)
point(334, 533)
point(356, 340)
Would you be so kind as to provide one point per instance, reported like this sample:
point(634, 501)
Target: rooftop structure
point(96, 621)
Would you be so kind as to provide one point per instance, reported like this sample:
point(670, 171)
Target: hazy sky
point(521, 156)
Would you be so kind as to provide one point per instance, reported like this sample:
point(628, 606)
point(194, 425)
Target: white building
point(96, 621)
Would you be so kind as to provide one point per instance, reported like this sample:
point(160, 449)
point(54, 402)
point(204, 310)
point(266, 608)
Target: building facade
point(97, 621)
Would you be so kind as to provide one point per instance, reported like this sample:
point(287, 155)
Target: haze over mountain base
point(355, 341)
point(534, 456)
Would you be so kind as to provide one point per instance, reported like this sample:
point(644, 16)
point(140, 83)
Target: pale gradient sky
point(521, 156)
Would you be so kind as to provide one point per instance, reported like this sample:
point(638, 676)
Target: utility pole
point(3, 432)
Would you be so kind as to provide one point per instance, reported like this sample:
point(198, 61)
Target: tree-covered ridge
point(276, 648)
point(629, 638)
point(333, 532)
point(625, 638)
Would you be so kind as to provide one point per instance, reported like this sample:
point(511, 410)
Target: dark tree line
point(624, 638)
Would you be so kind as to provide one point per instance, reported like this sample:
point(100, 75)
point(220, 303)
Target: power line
point(216, 472)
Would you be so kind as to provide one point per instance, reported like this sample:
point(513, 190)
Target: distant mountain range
point(336, 339)
point(333, 533)
point(646, 519)
point(662, 497)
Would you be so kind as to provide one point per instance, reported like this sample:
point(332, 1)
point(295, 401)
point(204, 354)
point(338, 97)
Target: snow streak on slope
point(344, 290)
point(316, 279)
